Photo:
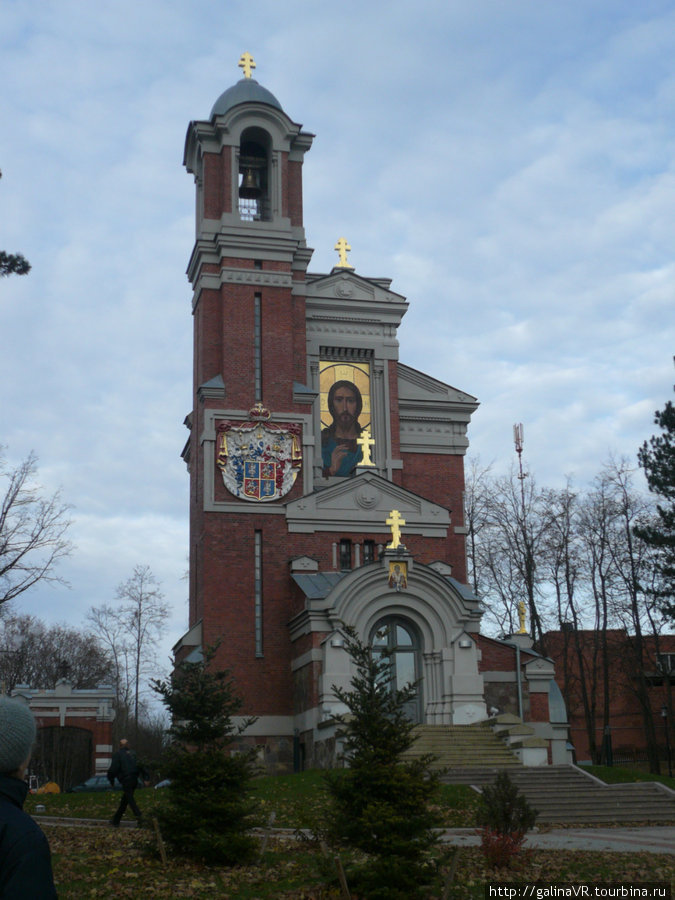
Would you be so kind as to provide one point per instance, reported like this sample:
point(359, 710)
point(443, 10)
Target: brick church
point(326, 476)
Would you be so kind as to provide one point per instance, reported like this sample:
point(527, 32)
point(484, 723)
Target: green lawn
point(617, 775)
point(296, 800)
point(104, 862)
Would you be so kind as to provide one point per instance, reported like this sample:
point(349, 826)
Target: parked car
point(95, 783)
point(98, 783)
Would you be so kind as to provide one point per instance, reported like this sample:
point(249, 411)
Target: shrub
point(505, 817)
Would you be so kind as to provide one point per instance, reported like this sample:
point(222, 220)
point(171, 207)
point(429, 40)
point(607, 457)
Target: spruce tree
point(381, 804)
point(657, 458)
point(210, 812)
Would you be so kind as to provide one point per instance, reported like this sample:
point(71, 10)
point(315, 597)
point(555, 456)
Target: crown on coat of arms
point(258, 412)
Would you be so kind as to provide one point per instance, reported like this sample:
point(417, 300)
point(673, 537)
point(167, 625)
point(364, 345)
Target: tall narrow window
point(257, 563)
point(257, 346)
point(368, 552)
point(399, 639)
point(345, 554)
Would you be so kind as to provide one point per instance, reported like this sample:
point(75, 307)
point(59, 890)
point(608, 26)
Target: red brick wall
point(441, 478)
point(229, 607)
point(392, 375)
point(279, 341)
point(285, 199)
point(625, 718)
point(495, 656)
point(539, 711)
point(208, 337)
point(217, 178)
point(295, 192)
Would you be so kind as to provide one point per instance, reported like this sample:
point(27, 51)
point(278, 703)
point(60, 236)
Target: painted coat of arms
point(259, 460)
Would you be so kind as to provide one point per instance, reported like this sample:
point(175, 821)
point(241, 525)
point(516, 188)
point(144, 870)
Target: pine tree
point(381, 803)
point(13, 263)
point(210, 811)
point(657, 458)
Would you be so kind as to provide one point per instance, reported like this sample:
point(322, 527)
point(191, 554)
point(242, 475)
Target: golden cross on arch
point(342, 247)
point(365, 442)
point(246, 63)
point(395, 521)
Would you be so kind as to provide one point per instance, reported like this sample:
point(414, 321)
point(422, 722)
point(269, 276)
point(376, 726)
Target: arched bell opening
point(254, 176)
point(399, 638)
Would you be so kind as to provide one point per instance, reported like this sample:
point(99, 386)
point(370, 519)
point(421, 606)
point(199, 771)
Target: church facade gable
point(434, 417)
point(362, 504)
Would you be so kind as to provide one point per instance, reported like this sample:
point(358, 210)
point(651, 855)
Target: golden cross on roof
point(246, 63)
point(342, 247)
point(395, 521)
point(365, 442)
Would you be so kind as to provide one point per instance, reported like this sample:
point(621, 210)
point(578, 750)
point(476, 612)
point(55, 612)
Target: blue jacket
point(25, 860)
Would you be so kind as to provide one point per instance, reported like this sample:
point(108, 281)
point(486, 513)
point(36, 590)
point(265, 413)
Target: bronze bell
point(249, 188)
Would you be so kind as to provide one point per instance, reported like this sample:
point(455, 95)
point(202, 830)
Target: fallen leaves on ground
point(107, 863)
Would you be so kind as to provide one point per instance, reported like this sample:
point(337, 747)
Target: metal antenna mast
point(527, 548)
point(518, 440)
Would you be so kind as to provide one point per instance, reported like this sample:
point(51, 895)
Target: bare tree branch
point(32, 531)
point(130, 630)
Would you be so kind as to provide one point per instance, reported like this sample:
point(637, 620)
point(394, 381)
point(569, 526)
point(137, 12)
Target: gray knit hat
point(17, 734)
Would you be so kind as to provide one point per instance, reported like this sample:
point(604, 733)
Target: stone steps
point(463, 745)
point(568, 795)
point(474, 754)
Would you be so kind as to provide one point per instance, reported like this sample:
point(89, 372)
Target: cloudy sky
point(509, 163)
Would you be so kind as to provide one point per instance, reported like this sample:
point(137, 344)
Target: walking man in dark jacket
point(25, 860)
point(124, 766)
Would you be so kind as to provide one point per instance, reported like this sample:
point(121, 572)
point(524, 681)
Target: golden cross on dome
point(246, 63)
point(365, 442)
point(395, 521)
point(342, 247)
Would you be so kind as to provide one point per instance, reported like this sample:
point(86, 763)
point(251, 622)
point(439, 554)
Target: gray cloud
point(509, 165)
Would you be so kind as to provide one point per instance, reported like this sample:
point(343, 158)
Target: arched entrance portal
point(400, 639)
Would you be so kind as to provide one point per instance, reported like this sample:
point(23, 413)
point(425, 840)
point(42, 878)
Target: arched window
point(398, 637)
point(254, 176)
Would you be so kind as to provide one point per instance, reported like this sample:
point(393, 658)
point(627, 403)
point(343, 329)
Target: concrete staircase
point(568, 795)
point(463, 746)
point(474, 754)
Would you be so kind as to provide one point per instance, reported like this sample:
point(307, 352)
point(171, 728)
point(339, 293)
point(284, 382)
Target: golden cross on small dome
point(521, 617)
point(342, 247)
point(246, 63)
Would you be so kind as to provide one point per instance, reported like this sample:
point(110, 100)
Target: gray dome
point(245, 91)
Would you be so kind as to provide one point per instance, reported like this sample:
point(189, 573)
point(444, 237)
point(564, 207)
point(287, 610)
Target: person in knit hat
point(25, 860)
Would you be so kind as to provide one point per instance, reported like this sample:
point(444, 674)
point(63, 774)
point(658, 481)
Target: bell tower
point(250, 243)
point(247, 271)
